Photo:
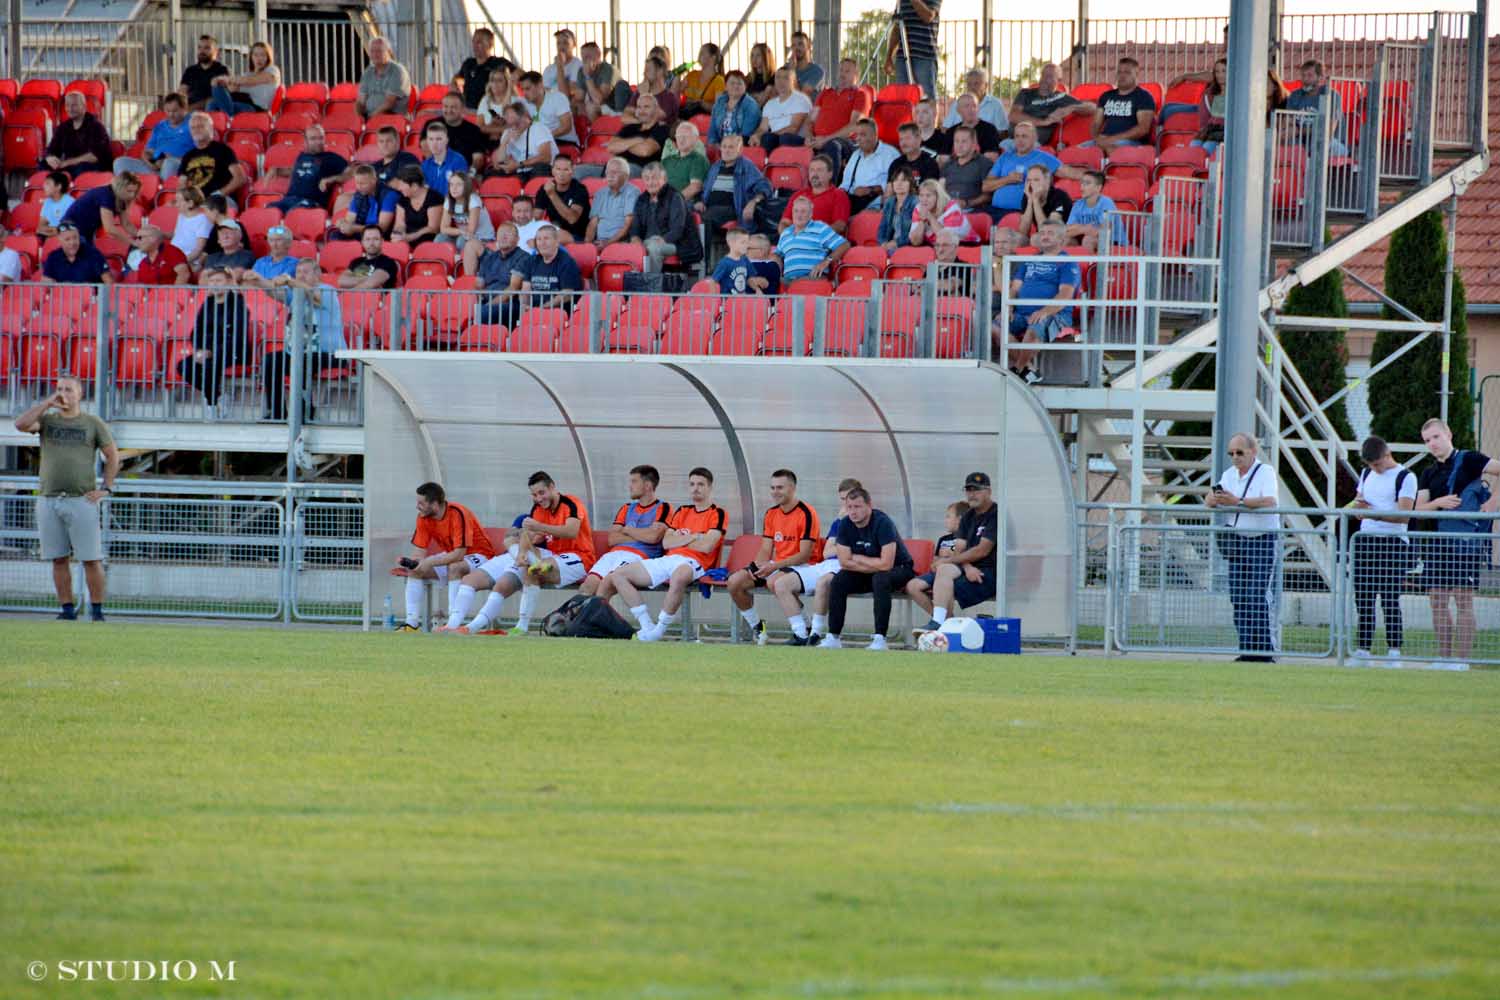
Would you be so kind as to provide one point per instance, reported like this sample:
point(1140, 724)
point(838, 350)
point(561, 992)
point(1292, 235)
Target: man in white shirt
point(782, 117)
point(523, 214)
point(552, 107)
point(1249, 543)
point(977, 82)
point(565, 59)
point(1382, 552)
point(866, 170)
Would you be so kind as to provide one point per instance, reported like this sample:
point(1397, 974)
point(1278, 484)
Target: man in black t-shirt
point(872, 560)
point(923, 165)
point(392, 156)
point(198, 79)
point(1453, 553)
point(985, 135)
point(313, 172)
point(1125, 113)
point(374, 270)
point(1047, 105)
point(210, 166)
point(967, 574)
point(641, 141)
point(464, 137)
point(565, 201)
point(475, 72)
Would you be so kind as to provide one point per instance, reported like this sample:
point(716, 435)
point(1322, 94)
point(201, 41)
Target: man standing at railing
point(1249, 544)
point(68, 512)
point(1381, 550)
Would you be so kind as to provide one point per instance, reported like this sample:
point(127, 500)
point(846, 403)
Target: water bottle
point(390, 615)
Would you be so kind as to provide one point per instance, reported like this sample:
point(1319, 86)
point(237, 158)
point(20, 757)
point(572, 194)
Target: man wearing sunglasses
point(1249, 544)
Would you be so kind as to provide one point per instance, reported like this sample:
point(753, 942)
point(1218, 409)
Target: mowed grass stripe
point(378, 816)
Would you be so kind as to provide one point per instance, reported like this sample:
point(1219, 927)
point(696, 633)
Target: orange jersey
point(583, 543)
point(787, 532)
point(457, 528)
point(699, 521)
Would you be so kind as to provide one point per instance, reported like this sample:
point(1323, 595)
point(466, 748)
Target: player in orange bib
point(695, 534)
point(791, 539)
point(554, 548)
point(462, 546)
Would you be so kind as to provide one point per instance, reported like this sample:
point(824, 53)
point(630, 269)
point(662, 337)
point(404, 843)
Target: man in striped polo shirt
point(637, 531)
point(808, 248)
point(917, 21)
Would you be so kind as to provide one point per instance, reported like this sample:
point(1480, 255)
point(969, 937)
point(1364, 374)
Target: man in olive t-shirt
point(68, 510)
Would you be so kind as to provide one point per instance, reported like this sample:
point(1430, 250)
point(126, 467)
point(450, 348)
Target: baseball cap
point(67, 226)
point(229, 224)
point(279, 231)
point(977, 481)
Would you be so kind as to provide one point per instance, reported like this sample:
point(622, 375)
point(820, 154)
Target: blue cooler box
point(1001, 635)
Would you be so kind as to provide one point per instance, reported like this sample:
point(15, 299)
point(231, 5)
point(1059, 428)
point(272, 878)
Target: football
point(932, 642)
point(963, 634)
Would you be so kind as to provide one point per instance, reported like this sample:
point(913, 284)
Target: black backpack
point(587, 618)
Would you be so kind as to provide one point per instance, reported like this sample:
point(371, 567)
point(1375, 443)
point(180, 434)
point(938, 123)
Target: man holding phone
point(461, 542)
point(67, 514)
point(1249, 543)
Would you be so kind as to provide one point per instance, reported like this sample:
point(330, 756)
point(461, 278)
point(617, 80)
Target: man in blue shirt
point(1309, 97)
point(808, 248)
point(277, 269)
point(74, 261)
point(312, 173)
point(1007, 179)
point(495, 270)
point(315, 326)
point(372, 205)
point(169, 142)
point(873, 560)
point(1058, 280)
point(441, 161)
point(548, 270)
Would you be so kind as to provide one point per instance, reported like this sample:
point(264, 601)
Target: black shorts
point(968, 593)
point(1453, 561)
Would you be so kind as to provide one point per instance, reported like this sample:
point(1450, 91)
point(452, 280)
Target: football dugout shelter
point(481, 424)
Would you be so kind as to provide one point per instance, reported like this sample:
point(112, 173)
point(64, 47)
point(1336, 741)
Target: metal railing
point(1184, 579)
point(203, 550)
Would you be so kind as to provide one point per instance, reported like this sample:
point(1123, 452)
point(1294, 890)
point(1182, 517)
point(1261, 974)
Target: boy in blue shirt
point(735, 271)
point(1087, 214)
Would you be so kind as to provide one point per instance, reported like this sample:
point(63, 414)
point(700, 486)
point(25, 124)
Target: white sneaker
point(877, 644)
point(1392, 660)
point(210, 413)
point(830, 642)
point(1363, 656)
point(652, 634)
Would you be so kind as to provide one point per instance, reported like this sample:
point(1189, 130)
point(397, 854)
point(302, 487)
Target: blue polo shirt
point(268, 268)
point(1008, 198)
point(800, 252)
point(437, 173)
point(367, 209)
point(1040, 279)
point(172, 140)
point(85, 269)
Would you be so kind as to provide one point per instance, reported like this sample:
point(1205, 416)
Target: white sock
point(642, 615)
point(489, 612)
point(528, 604)
point(820, 624)
point(414, 588)
point(799, 626)
point(453, 588)
point(751, 618)
point(940, 615)
point(458, 605)
point(666, 618)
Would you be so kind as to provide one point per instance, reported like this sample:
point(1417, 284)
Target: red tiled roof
point(1477, 249)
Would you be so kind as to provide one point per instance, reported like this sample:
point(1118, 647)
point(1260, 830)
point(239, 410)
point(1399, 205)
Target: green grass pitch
point(376, 816)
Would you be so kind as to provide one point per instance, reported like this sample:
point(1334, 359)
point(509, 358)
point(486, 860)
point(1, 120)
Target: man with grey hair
point(385, 85)
point(211, 166)
point(1249, 543)
point(68, 511)
point(1047, 105)
point(664, 222)
point(1033, 279)
point(612, 212)
point(977, 82)
point(80, 142)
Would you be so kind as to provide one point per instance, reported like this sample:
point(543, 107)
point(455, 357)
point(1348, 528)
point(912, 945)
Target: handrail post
point(1426, 103)
point(1373, 136)
point(983, 301)
point(1317, 189)
point(1478, 76)
point(597, 321)
point(926, 342)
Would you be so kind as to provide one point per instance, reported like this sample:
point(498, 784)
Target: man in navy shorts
point(967, 573)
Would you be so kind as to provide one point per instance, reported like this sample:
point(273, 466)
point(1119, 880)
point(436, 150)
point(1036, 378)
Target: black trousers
point(1380, 564)
point(881, 585)
point(275, 368)
point(205, 376)
point(1252, 560)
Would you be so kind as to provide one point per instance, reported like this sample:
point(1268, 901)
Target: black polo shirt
point(878, 532)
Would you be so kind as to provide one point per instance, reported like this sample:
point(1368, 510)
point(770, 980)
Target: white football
point(932, 642)
point(964, 634)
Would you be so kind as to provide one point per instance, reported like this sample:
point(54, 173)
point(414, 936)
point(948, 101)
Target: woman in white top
point(782, 117)
point(464, 216)
point(1250, 544)
point(194, 226)
point(935, 212)
point(1382, 553)
point(256, 90)
point(499, 92)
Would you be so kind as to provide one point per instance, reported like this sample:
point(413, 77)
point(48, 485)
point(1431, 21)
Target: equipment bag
point(559, 621)
point(657, 282)
point(597, 620)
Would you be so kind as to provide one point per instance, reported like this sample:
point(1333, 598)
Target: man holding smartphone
point(462, 546)
point(68, 512)
point(1250, 544)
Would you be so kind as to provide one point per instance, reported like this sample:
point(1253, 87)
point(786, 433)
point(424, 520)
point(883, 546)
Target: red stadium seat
point(908, 93)
point(625, 339)
point(900, 312)
point(1091, 92)
point(862, 263)
point(508, 186)
point(1128, 193)
point(585, 255)
point(40, 357)
point(483, 337)
point(889, 116)
point(1186, 92)
point(685, 332)
point(742, 324)
point(781, 336)
point(844, 327)
point(1085, 158)
point(433, 258)
point(1182, 161)
point(921, 553)
point(26, 216)
point(909, 263)
point(981, 223)
point(617, 260)
point(1132, 161)
point(646, 312)
point(24, 144)
point(135, 362)
point(864, 229)
point(954, 329)
point(538, 330)
point(1074, 130)
point(786, 167)
point(809, 286)
point(83, 356)
point(280, 157)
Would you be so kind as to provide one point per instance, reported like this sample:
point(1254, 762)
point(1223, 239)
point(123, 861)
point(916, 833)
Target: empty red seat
point(862, 263)
point(1132, 161)
point(618, 260)
point(844, 326)
point(909, 263)
point(40, 358)
point(135, 362)
point(954, 329)
point(786, 167)
point(1082, 157)
point(889, 116)
point(538, 330)
point(483, 337)
point(742, 324)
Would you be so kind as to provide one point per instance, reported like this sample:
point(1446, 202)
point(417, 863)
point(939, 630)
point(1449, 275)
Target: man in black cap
point(967, 573)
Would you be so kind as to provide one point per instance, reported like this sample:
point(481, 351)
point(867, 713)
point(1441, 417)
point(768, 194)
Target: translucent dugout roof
point(480, 424)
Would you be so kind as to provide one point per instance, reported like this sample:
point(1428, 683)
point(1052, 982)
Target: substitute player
point(791, 539)
point(694, 537)
point(453, 528)
point(637, 531)
point(813, 578)
point(554, 548)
